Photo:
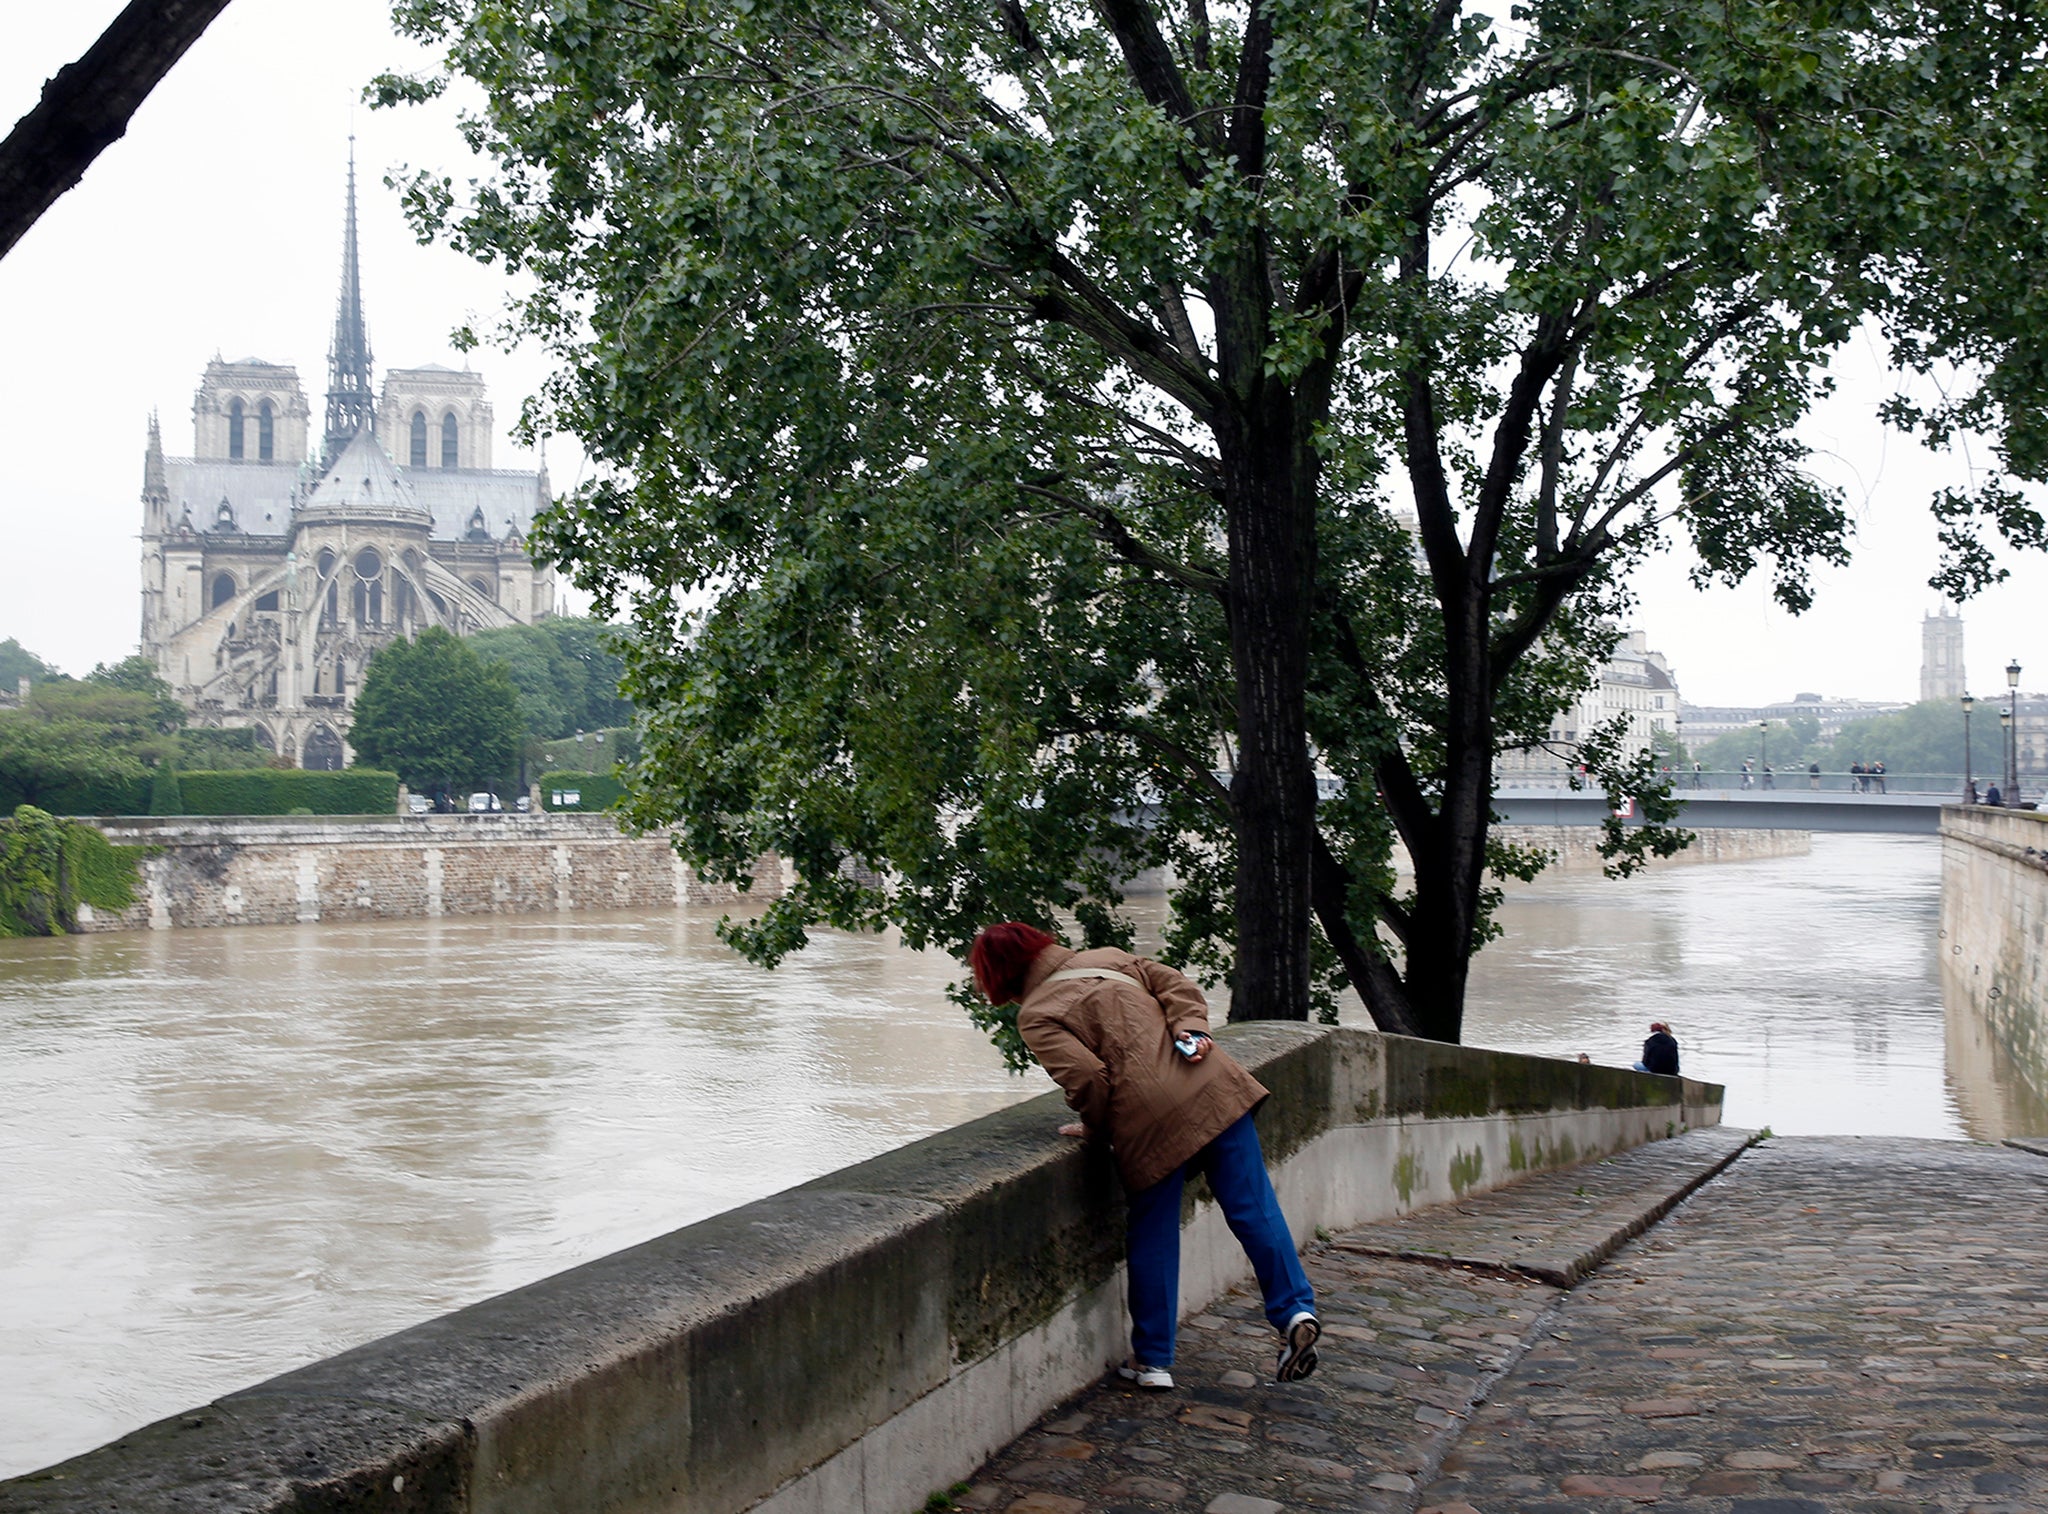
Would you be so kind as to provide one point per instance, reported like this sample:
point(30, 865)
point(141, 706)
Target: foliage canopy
point(1047, 408)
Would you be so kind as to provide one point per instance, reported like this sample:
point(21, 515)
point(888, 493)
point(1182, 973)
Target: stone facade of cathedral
point(272, 574)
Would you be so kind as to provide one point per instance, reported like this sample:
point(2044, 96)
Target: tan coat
point(1109, 1044)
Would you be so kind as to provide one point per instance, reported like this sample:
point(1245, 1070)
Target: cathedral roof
point(508, 500)
point(260, 494)
point(362, 482)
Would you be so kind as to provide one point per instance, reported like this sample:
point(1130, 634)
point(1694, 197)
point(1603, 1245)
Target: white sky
point(214, 226)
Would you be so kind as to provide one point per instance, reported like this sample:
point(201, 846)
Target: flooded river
point(225, 1153)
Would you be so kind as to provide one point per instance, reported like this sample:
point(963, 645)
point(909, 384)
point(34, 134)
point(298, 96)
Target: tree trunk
point(87, 105)
point(1270, 493)
point(1449, 876)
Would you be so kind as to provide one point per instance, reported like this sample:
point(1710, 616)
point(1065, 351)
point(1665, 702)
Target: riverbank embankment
point(263, 871)
point(1994, 932)
point(847, 1346)
point(210, 872)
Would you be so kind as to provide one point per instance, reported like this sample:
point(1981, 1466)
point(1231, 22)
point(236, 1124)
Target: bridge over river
point(1785, 809)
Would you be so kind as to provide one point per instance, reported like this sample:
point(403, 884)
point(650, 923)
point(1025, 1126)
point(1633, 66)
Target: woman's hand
point(1202, 1045)
point(1076, 1129)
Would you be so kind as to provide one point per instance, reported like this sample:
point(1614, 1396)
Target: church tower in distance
point(271, 577)
point(1942, 674)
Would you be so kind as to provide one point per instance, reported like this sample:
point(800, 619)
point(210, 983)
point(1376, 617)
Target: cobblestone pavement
point(1830, 1325)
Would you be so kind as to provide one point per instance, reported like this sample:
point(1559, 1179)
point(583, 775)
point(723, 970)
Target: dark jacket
point(1660, 1054)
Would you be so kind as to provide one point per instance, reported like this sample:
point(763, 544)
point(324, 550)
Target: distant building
point(1704, 722)
point(1636, 684)
point(269, 578)
point(1943, 674)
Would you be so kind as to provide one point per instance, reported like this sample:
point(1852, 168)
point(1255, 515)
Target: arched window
point(323, 750)
point(266, 432)
point(223, 589)
point(235, 429)
point(481, 587)
point(418, 453)
point(449, 451)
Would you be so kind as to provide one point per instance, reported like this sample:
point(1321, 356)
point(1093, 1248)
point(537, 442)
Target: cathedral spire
point(348, 360)
point(154, 485)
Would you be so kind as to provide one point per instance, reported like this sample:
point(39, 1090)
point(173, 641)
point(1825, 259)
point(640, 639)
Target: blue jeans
point(1236, 1170)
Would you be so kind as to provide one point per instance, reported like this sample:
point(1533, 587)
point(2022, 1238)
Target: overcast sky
point(215, 226)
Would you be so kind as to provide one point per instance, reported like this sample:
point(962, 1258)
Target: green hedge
point(114, 796)
point(600, 791)
point(233, 791)
point(279, 791)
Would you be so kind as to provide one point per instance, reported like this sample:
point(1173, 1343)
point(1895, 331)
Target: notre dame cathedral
point(270, 578)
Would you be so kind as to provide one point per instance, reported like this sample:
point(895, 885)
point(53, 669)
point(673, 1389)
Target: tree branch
point(87, 105)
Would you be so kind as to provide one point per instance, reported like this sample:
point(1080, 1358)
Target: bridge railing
point(1783, 780)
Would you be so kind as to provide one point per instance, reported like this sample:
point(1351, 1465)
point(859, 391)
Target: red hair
point(1000, 956)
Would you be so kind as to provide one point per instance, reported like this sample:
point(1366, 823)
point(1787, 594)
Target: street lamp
point(1969, 778)
point(1763, 743)
point(2012, 732)
point(2004, 742)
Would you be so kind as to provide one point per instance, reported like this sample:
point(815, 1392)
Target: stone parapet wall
point(848, 1346)
point(1994, 933)
point(203, 873)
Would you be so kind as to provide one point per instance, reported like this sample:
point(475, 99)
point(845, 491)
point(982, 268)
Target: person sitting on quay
point(1993, 797)
point(1127, 1038)
point(1660, 1051)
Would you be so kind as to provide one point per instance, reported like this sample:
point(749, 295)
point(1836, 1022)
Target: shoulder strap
point(1066, 975)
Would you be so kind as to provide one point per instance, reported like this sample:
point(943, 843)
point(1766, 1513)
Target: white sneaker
point(1298, 1354)
point(1156, 1378)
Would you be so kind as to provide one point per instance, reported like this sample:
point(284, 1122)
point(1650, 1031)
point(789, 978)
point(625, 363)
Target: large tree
point(436, 714)
point(1038, 434)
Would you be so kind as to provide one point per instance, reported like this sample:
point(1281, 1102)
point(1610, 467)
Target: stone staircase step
point(1557, 1226)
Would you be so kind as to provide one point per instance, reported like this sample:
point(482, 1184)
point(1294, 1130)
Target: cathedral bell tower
point(350, 404)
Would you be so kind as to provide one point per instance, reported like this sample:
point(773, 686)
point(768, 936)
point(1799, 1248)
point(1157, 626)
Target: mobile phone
point(1187, 1043)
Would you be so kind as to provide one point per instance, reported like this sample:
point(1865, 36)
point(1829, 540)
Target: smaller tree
point(436, 714)
point(18, 662)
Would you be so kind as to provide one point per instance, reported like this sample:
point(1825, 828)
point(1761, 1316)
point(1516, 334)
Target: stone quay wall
point(1994, 929)
point(1576, 847)
point(279, 872)
point(848, 1346)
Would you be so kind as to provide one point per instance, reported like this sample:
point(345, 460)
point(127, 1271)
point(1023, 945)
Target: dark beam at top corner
point(86, 106)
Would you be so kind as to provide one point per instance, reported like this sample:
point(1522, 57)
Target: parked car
point(419, 804)
point(485, 804)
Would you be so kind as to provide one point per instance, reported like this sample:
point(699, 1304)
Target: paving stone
point(1242, 1503)
point(1158, 1489)
point(1047, 1503)
point(1642, 1489)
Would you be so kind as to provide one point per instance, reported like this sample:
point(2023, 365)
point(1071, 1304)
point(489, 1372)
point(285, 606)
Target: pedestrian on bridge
point(1127, 1039)
point(1813, 775)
